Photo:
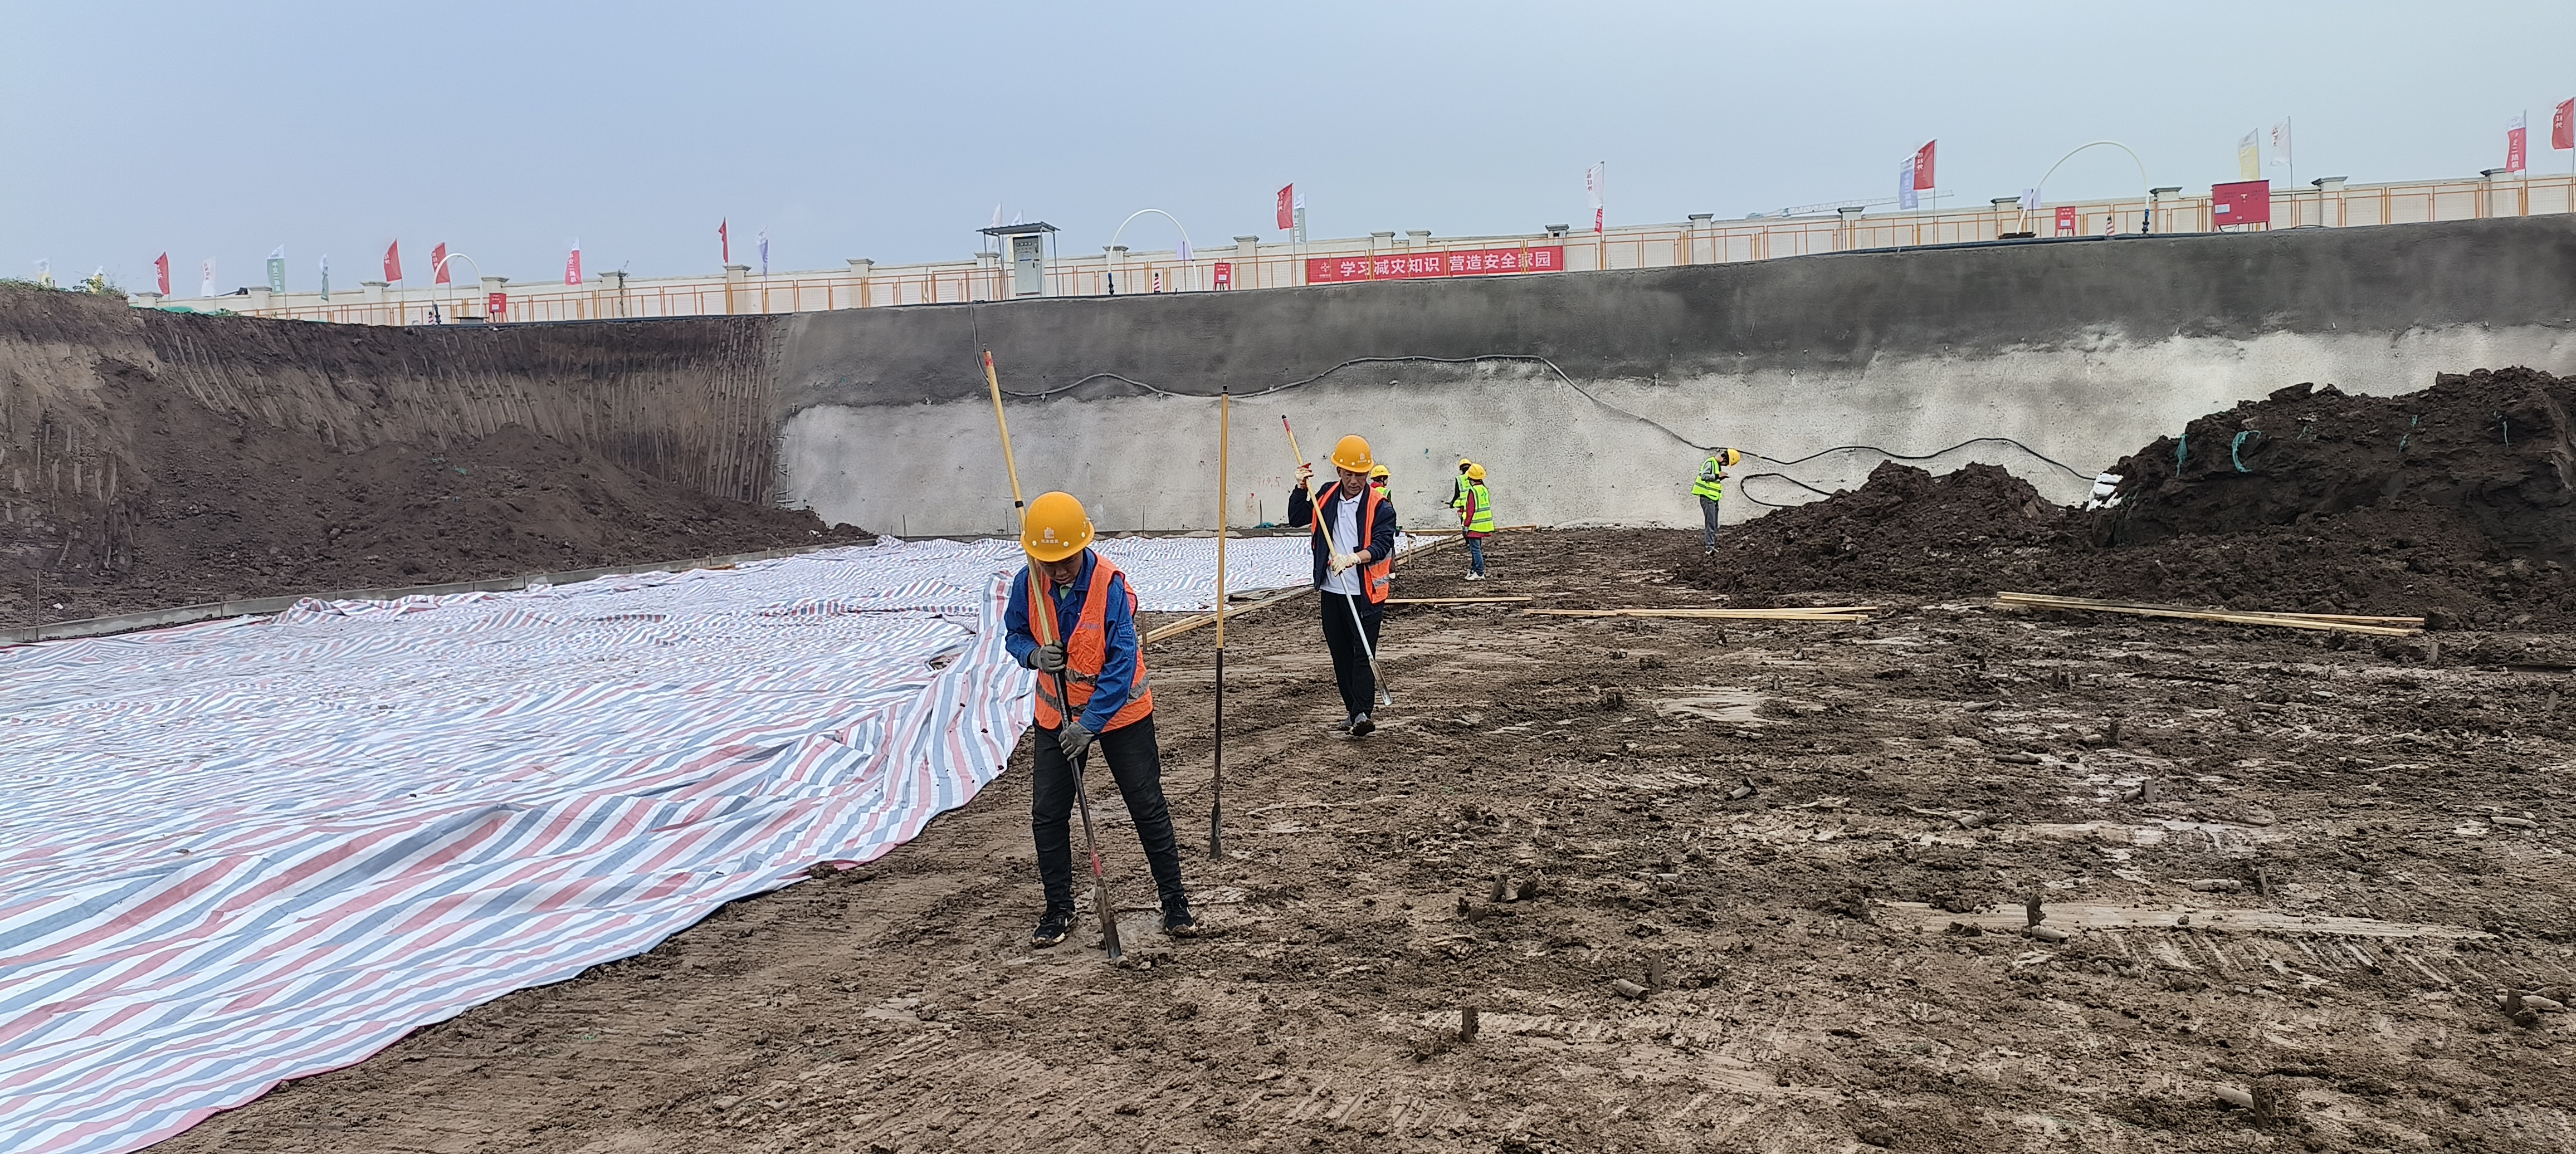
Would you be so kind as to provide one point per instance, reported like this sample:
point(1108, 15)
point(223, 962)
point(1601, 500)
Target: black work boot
point(1361, 726)
point(1053, 927)
point(1179, 922)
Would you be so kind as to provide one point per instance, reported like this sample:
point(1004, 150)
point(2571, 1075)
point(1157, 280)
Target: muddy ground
point(1841, 948)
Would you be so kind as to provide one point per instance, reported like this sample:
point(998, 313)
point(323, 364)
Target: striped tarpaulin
point(250, 850)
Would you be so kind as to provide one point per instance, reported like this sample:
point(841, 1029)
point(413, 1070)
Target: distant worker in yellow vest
point(1092, 689)
point(1477, 518)
point(1379, 480)
point(1710, 488)
point(1458, 484)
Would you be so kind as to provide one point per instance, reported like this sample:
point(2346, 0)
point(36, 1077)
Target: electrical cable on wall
point(1570, 382)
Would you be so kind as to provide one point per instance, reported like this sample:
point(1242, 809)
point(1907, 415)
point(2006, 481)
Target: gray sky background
point(891, 130)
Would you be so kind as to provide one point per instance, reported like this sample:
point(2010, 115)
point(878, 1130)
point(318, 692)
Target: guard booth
point(1024, 254)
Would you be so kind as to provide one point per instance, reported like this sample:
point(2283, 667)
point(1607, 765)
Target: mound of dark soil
point(1904, 529)
point(2488, 450)
point(2454, 502)
point(239, 509)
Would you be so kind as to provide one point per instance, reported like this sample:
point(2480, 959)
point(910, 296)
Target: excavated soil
point(242, 511)
point(1823, 838)
point(149, 459)
point(2454, 503)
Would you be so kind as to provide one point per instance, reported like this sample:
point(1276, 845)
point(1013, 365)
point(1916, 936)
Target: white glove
point(1343, 561)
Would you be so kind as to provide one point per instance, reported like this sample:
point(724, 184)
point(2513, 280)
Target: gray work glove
point(1047, 658)
point(1074, 740)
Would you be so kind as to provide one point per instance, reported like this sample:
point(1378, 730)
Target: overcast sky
point(892, 130)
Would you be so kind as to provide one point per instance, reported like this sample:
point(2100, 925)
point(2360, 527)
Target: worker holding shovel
point(1354, 541)
point(1092, 690)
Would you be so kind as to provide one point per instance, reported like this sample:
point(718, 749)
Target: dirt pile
point(237, 510)
point(2488, 450)
point(2454, 502)
point(148, 460)
point(1902, 529)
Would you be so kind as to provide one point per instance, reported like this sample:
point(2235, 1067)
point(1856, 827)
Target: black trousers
point(1350, 662)
point(1137, 766)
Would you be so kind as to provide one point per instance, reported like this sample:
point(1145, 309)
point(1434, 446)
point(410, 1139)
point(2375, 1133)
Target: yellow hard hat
point(1376, 472)
point(1475, 472)
point(1055, 528)
point(1464, 464)
point(1729, 456)
point(1352, 453)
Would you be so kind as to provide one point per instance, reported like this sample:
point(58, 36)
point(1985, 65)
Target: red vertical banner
point(1923, 165)
point(724, 241)
point(496, 306)
point(572, 265)
point(438, 264)
point(2066, 220)
point(2517, 144)
point(2562, 124)
point(1287, 207)
point(393, 262)
point(162, 264)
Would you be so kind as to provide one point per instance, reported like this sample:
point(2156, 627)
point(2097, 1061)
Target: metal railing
point(1270, 266)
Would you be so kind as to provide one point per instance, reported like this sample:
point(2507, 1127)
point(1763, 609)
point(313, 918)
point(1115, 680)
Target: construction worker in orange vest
point(1351, 576)
point(1092, 690)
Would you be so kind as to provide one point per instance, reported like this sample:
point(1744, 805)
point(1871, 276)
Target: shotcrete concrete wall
point(2080, 351)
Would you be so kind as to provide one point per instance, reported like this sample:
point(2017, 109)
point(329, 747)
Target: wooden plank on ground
point(1457, 600)
point(1202, 620)
point(1829, 613)
point(2345, 623)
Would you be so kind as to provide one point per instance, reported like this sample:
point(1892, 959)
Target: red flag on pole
point(2562, 124)
point(1287, 210)
point(163, 264)
point(1923, 165)
point(438, 263)
point(393, 262)
point(572, 265)
point(2517, 144)
point(724, 241)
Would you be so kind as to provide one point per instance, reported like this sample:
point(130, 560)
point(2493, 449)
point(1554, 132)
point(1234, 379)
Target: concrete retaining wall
point(2080, 350)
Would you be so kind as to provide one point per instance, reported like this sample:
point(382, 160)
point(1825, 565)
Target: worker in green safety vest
point(1476, 516)
point(1710, 488)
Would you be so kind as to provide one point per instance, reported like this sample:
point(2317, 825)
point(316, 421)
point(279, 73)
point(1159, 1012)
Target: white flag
point(1905, 198)
point(2249, 158)
point(206, 278)
point(1185, 250)
point(2030, 200)
point(1592, 181)
point(2281, 142)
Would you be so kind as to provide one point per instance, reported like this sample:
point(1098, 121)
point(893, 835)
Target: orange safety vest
point(1086, 647)
point(1375, 576)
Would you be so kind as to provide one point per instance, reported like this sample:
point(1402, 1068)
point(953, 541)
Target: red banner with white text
point(1415, 266)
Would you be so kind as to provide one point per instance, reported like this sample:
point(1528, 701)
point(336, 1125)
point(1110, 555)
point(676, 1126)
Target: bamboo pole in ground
point(1216, 774)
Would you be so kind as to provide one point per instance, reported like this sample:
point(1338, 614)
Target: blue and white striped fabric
point(250, 850)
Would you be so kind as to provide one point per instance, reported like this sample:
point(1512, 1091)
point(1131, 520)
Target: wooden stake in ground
point(1216, 776)
point(1042, 627)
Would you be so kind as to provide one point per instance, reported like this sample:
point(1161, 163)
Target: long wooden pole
point(1216, 780)
point(1042, 627)
point(1019, 508)
point(1315, 504)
